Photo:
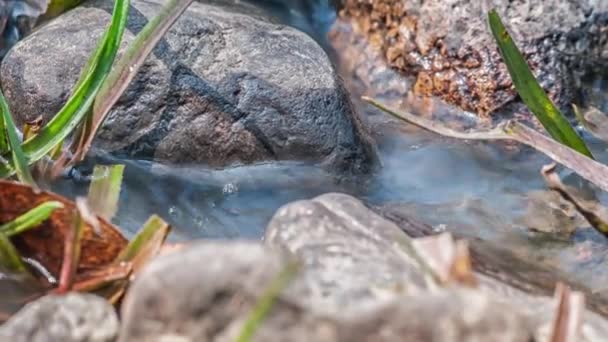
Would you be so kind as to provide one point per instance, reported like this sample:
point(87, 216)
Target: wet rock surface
point(225, 85)
point(176, 299)
point(352, 257)
point(70, 318)
point(445, 48)
point(206, 291)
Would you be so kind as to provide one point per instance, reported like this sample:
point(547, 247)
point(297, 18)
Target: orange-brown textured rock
point(446, 49)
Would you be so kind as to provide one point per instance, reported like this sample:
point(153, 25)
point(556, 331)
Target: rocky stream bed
point(245, 130)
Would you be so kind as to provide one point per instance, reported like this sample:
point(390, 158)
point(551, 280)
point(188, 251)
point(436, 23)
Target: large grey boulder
point(206, 291)
point(224, 86)
point(70, 318)
point(352, 256)
point(355, 283)
point(445, 48)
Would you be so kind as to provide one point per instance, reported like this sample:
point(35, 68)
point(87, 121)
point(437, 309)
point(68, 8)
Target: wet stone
point(70, 318)
point(226, 85)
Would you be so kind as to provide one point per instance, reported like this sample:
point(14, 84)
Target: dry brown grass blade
point(567, 324)
point(97, 279)
point(594, 120)
point(593, 212)
point(72, 248)
point(591, 170)
point(449, 259)
point(146, 245)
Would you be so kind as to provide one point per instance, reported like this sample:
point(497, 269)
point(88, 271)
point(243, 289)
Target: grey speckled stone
point(70, 318)
point(352, 256)
point(224, 86)
point(206, 292)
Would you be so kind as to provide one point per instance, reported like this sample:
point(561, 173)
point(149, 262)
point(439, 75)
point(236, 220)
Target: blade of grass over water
point(531, 92)
point(267, 301)
point(590, 169)
point(19, 160)
point(104, 190)
point(146, 244)
point(81, 101)
point(126, 68)
point(30, 219)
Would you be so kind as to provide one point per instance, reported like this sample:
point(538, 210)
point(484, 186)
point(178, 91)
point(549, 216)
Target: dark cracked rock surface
point(445, 48)
point(224, 86)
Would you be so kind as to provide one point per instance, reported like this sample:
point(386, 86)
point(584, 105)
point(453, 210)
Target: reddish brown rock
point(445, 48)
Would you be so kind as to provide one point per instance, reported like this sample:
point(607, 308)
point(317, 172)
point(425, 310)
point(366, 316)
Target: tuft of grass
point(123, 73)
point(531, 92)
point(81, 101)
point(19, 161)
point(97, 90)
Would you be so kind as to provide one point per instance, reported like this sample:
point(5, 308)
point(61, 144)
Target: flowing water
point(476, 189)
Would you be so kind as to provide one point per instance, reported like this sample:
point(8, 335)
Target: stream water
point(475, 189)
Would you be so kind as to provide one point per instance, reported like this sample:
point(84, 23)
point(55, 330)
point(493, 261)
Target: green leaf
point(57, 7)
point(81, 101)
point(30, 219)
point(9, 256)
point(19, 160)
point(126, 68)
point(104, 190)
point(146, 243)
point(3, 139)
point(531, 92)
point(266, 301)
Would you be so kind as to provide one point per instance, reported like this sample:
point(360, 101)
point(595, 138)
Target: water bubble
point(230, 188)
point(174, 211)
point(440, 228)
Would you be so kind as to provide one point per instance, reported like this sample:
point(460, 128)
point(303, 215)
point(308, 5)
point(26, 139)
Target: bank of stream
point(479, 190)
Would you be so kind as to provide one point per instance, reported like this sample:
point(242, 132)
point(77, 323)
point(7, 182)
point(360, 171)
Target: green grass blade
point(266, 302)
point(155, 230)
point(81, 101)
point(3, 139)
point(57, 7)
point(30, 219)
point(9, 257)
point(104, 190)
point(531, 92)
point(19, 160)
point(127, 67)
